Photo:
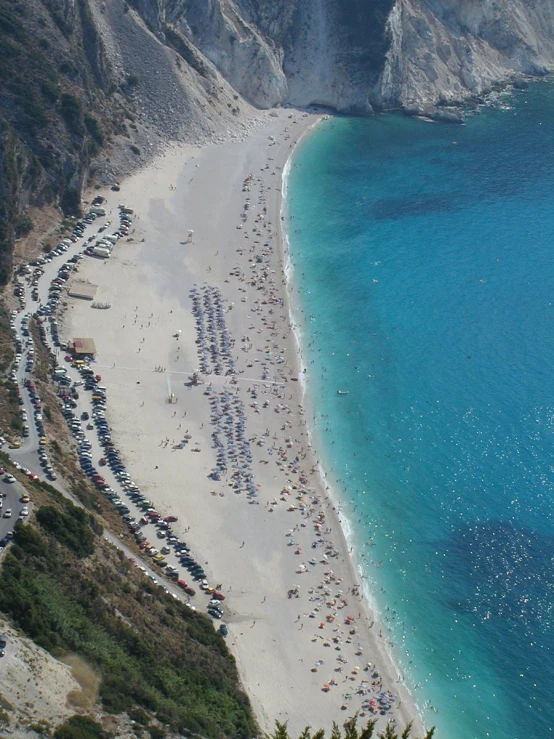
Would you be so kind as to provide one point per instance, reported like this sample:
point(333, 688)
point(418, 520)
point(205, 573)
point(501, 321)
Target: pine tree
point(351, 731)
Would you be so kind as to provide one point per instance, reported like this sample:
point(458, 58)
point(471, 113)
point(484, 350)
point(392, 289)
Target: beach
point(199, 286)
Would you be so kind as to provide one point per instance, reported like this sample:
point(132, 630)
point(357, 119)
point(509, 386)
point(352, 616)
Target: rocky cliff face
point(448, 51)
point(302, 52)
point(352, 55)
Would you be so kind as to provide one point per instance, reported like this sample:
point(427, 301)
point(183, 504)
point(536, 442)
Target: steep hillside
point(51, 69)
point(87, 92)
point(133, 649)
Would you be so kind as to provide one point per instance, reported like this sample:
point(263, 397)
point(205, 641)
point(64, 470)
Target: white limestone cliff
point(448, 51)
point(352, 55)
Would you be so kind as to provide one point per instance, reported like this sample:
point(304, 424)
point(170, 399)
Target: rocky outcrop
point(353, 55)
point(444, 52)
point(301, 52)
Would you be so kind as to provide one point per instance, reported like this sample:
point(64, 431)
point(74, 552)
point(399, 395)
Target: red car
point(218, 596)
point(182, 584)
point(170, 519)
point(144, 544)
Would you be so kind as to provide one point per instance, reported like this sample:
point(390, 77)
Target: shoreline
point(154, 272)
point(347, 530)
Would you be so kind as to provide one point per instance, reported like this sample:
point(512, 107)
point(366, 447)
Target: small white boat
point(342, 392)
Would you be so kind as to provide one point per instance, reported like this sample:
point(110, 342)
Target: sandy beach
point(308, 649)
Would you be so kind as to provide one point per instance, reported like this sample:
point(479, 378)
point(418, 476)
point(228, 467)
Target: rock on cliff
point(446, 51)
point(353, 55)
point(302, 52)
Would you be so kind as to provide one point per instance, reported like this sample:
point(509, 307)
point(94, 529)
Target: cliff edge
point(443, 52)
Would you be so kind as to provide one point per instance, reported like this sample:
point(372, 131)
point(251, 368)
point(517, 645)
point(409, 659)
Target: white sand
point(147, 281)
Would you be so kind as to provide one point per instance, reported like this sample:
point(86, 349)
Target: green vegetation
point(72, 529)
point(351, 731)
point(51, 71)
point(80, 727)
point(135, 149)
point(23, 226)
point(133, 80)
point(94, 129)
point(71, 592)
point(10, 415)
point(72, 114)
point(67, 68)
point(9, 179)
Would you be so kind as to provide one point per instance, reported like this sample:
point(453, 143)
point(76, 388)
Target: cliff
point(353, 55)
point(444, 52)
point(91, 88)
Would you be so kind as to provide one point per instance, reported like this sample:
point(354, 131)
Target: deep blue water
point(423, 264)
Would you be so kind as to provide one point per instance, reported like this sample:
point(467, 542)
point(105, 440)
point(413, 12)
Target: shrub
point(67, 68)
point(28, 538)
point(23, 226)
point(80, 727)
point(49, 91)
point(135, 149)
point(71, 529)
point(133, 80)
point(93, 127)
point(70, 109)
point(93, 148)
point(139, 716)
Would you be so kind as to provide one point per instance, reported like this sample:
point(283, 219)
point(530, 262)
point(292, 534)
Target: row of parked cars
point(104, 243)
point(112, 459)
point(168, 541)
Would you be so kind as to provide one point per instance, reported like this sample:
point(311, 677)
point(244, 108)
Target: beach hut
point(82, 348)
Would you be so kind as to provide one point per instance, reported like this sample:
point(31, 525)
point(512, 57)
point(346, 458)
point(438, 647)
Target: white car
point(9, 478)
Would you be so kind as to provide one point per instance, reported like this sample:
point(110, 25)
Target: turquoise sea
point(422, 263)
